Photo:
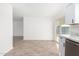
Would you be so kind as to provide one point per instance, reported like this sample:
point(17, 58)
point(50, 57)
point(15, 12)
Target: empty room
point(39, 29)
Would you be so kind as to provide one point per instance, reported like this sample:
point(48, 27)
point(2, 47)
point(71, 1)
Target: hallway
point(33, 48)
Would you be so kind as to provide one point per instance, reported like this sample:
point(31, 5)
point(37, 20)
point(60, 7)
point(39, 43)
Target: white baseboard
point(37, 39)
point(3, 53)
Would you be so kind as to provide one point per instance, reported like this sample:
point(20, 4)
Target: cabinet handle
point(77, 44)
point(72, 42)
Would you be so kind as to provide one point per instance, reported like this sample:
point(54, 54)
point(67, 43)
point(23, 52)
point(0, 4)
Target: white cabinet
point(71, 13)
point(77, 13)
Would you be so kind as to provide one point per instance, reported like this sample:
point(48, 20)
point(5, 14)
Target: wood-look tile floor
point(33, 48)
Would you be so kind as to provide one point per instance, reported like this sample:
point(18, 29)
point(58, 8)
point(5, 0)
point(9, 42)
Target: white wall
point(5, 28)
point(38, 28)
point(18, 26)
point(76, 12)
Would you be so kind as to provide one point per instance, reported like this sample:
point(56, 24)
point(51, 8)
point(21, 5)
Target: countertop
point(71, 37)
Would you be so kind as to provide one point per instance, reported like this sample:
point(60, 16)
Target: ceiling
point(38, 9)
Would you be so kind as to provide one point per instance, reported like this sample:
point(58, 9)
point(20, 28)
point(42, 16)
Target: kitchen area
point(68, 33)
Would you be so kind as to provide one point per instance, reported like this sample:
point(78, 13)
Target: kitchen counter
point(71, 37)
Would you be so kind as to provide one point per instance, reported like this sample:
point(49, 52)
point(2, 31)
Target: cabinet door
point(69, 14)
point(77, 13)
point(71, 48)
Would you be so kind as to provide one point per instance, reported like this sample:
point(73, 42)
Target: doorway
point(17, 30)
